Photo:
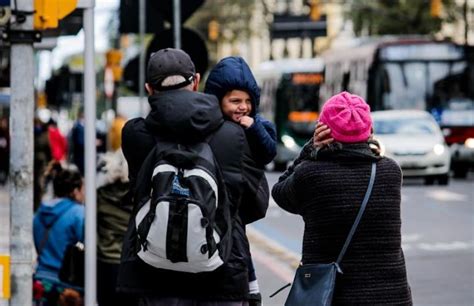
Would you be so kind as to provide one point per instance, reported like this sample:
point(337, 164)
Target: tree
point(233, 19)
point(380, 17)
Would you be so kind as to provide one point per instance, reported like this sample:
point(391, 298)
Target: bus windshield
point(300, 91)
point(443, 88)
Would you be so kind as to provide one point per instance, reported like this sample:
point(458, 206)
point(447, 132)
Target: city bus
point(290, 99)
point(394, 73)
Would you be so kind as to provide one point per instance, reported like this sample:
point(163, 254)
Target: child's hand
point(246, 121)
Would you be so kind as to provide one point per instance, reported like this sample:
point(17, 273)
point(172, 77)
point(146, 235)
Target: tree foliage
point(233, 18)
point(380, 17)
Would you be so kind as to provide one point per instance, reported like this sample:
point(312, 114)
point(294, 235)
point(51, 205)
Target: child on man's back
point(234, 85)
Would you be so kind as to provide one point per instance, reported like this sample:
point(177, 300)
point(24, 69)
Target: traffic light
point(113, 59)
point(213, 30)
point(49, 12)
point(435, 8)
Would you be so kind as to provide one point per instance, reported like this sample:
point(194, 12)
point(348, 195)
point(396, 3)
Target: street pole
point(21, 161)
point(177, 23)
point(142, 60)
point(90, 158)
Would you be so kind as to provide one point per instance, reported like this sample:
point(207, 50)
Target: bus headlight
point(438, 149)
point(469, 143)
point(289, 142)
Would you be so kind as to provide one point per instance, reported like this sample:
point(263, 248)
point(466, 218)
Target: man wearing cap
point(182, 115)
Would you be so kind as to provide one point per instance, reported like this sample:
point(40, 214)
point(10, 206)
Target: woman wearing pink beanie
point(327, 186)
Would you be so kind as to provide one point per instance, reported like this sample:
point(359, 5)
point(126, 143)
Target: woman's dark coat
point(327, 193)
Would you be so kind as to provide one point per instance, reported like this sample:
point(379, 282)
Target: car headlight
point(469, 143)
point(289, 142)
point(438, 149)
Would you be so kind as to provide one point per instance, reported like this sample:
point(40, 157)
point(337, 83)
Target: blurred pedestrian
point(77, 142)
point(326, 187)
point(234, 85)
point(114, 208)
point(41, 159)
point(57, 224)
point(57, 142)
point(4, 150)
point(115, 132)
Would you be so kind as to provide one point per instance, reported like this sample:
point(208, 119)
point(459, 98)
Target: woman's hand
point(322, 135)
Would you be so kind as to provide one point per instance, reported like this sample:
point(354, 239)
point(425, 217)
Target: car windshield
point(407, 126)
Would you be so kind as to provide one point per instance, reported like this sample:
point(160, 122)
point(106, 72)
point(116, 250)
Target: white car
point(415, 141)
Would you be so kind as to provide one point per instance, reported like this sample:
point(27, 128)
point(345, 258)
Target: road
point(437, 238)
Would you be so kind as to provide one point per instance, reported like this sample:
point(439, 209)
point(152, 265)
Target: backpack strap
point(359, 216)
point(48, 228)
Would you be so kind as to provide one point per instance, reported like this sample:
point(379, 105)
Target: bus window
point(300, 91)
point(408, 86)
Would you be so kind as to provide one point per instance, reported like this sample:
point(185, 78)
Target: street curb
point(270, 246)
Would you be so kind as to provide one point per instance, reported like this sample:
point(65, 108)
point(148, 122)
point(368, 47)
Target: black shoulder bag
point(314, 283)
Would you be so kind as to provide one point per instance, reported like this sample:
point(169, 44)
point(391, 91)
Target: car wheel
point(443, 179)
point(429, 180)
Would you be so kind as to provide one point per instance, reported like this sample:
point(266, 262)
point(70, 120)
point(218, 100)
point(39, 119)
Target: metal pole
point(90, 158)
point(177, 23)
point(142, 60)
point(21, 162)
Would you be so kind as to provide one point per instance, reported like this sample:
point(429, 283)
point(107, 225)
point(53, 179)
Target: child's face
point(236, 104)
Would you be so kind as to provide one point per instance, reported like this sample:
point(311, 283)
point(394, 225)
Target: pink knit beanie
point(348, 117)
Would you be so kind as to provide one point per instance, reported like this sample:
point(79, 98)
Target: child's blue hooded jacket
point(233, 73)
point(67, 218)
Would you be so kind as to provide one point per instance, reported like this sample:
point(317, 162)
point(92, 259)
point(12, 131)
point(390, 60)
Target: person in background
point(326, 187)
point(4, 150)
point(41, 159)
point(234, 85)
point(57, 223)
point(115, 132)
point(76, 137)
point(57, 142)
point(114, 208)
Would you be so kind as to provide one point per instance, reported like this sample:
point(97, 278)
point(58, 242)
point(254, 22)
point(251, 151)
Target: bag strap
point(359, 215)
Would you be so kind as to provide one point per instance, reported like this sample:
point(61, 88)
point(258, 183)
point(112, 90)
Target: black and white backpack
point(183, 217)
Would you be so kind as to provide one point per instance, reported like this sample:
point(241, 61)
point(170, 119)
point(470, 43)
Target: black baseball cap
point(168, 62)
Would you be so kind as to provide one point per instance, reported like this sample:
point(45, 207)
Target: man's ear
point(197, 79)
point(149, 89)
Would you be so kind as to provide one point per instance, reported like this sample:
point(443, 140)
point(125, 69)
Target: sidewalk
point(4, 220)
point(4, 226)
point(275, 266)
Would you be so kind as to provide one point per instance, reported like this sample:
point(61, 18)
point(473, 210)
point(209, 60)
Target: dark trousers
point(106, 283)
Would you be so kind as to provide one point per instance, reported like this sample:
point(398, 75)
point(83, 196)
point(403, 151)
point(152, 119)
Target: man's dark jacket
point(186, 116)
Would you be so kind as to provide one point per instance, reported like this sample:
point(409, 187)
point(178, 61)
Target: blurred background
point(412, 61)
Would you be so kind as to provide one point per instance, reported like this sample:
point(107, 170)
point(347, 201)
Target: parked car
point(416, 142)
